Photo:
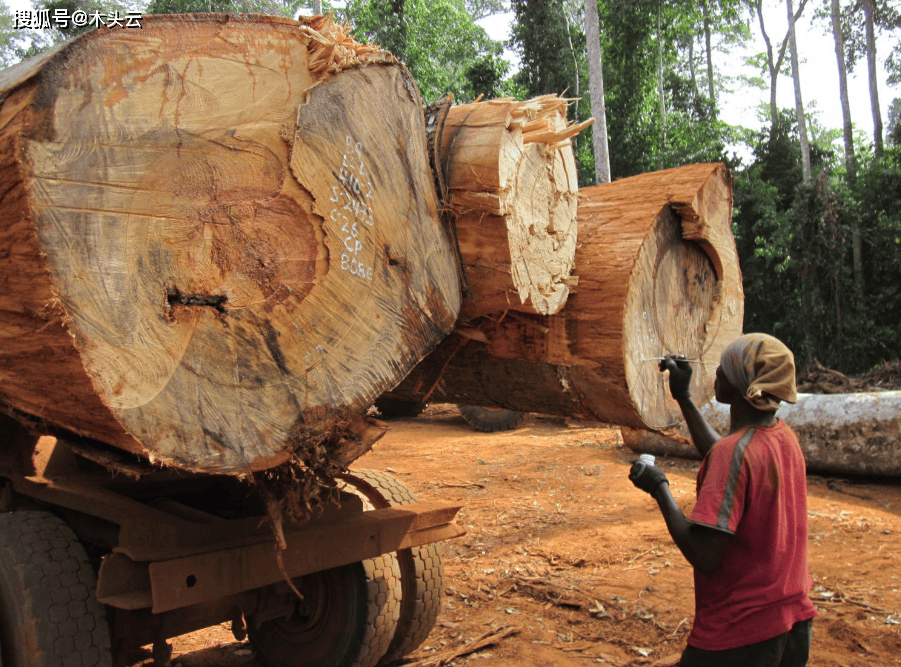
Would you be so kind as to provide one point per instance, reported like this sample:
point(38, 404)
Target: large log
point(219, 239)
point(658, 273)
point(512, 190)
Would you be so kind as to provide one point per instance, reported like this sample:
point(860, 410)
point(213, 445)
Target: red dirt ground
point(563, 550)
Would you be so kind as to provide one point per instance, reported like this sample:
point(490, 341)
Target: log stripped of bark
point(855, 434)
point(512, 189)
point(658, 273)
point(219, 239)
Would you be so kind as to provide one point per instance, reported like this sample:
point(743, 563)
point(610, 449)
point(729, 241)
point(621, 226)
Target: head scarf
point(762, 369)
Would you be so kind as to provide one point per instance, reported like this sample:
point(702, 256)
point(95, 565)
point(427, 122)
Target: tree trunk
point(774, 64)
point(596, 85)
point(204, 259)
point(709, 52)
point(512, 189)
point(658, 273)
point(848, 134)
point(799, 104)
point(660, 92)
point(870, 10)
point(771, 63)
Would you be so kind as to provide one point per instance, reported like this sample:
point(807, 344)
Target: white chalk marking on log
point(352, 209)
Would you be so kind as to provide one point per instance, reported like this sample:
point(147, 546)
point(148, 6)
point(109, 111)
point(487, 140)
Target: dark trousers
point(791, 649)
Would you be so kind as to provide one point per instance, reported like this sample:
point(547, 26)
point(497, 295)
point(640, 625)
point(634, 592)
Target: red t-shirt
point(753, 484)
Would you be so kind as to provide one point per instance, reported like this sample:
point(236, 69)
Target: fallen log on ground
point(854, 434)
point(512, 190)
point(219, 239)
point(658, 273)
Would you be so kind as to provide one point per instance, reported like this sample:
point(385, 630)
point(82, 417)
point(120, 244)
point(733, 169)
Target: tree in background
point(860, 21)
point(799, 103)
point(548, 37)
point(438, 40)
point(894, 122)
point(774, 62)
point(541, 36)
point(847, 134)
point(271, 7)
point(869, 10)
point(596, 88)
point(13, 42)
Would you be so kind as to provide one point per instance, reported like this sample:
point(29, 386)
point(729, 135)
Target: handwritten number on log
point(352, 206)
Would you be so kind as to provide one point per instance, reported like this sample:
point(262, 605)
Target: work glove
point(679, 375)
point(647, 477)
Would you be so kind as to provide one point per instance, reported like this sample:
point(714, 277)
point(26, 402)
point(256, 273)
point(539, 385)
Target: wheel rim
point(310, 616)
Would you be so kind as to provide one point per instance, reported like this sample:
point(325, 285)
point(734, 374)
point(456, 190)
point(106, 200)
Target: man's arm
point(702, 434)
point(703, 547)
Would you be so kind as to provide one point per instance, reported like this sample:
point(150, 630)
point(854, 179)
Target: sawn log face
point(658, 274)
point(217, 241)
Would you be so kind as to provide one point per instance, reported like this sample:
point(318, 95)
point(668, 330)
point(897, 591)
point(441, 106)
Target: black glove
point(679, 375)
point(647, 477)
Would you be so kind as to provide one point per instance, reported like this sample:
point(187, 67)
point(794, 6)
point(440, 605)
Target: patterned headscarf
point(762, 369)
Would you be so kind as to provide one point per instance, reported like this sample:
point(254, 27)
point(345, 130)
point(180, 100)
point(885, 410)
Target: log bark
point(219, 239)
point(512, 189)
point(658, 273)
point(839, 433)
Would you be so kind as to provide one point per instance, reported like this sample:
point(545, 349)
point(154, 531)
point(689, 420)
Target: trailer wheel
point(421, 568)
point(346, 619)
point(48, 613)
point(491, 419)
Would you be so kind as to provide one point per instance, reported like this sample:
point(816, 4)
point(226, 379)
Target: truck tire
point(491, 419)
point(347, 618)
point(421, 568)
point(48, 613)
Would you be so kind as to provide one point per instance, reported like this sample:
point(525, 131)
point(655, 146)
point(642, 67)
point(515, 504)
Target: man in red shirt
point(747, 535)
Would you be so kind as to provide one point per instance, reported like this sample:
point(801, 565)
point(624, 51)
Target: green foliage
point(485, 76)
point(13, 42)
point(271, 7)
point(541, 37)
point(549, 37)
point(439, 42)
point(640, 36)
point(794, 246)
point(480, 9)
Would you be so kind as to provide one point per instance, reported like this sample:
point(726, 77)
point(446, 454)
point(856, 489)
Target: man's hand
point(679, 375)
point(646, 477)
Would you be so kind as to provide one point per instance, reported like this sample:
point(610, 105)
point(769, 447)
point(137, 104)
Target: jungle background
point(817, 216)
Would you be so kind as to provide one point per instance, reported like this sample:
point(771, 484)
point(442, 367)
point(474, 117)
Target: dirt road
point(574, 565)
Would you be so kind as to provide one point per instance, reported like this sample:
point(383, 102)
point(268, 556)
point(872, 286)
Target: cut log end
point(511, 178)
point(205, 202)
point(657, 274)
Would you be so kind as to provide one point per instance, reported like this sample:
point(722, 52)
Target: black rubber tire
point(491, 420)
point(49, 616)
point(392, 408)
point(421, 568)
point(349, 620)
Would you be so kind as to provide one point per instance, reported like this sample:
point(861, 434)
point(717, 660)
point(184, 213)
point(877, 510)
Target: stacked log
point(657, 273)
point(219, 240)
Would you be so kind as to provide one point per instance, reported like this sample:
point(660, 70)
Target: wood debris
point(487, 639)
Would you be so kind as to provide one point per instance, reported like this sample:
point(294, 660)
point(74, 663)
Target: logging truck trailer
point(95, 565)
